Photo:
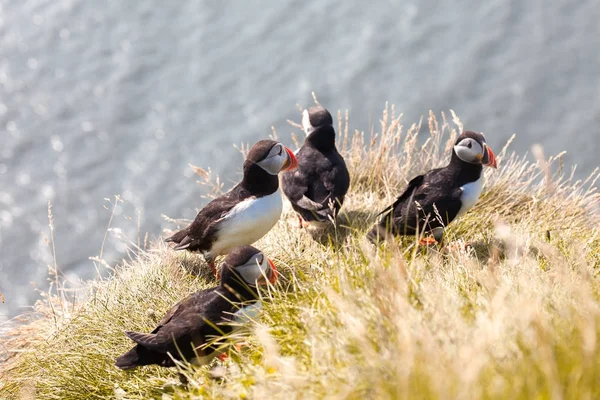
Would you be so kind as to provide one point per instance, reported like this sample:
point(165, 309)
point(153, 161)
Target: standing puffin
point(321, 177)
point(433, 200)
point(244, 214)
point(188, 327)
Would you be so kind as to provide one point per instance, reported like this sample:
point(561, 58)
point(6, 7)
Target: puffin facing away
point(316, 189)
point(188, 327)
point(433, 200)
point(244, 214)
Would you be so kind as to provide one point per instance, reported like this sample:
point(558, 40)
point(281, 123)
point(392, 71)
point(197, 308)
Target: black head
point(314, 118)
point(318, 126)
point(471, 148)
point(271, 156)
point(244, 269)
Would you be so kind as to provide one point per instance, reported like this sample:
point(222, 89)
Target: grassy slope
point(517, 316)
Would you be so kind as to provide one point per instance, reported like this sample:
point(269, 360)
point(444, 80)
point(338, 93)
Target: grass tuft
point(515, 315)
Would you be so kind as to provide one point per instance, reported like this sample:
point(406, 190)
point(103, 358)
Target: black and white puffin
point(188, 327)
point(433, 200)
point(244, 214)
point(316, 189)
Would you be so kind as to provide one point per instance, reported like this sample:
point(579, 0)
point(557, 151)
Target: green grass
point(515, 316)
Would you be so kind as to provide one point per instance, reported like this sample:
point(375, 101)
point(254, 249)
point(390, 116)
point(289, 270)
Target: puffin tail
point(177, 236)
point(377, 234)
point(383, 228)
point(180, 238)
point(139, 356)
point(129, 360)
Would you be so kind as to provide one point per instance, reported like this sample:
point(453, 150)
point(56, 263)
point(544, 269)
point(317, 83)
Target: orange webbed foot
point(213, 269)
point(302, 223)
point(428, 241)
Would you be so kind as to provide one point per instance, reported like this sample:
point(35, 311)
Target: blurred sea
point(109, 97)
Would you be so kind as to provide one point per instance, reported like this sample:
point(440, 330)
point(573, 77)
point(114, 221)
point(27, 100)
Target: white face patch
point(274, 160)
point(469, 150)
point(306, 125)
point(255, 268)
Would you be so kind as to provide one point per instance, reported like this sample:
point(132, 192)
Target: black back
point(321, 176)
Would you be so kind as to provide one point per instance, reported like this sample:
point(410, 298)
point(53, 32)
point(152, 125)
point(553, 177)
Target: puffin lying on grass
point(433, 200)
point(316, 189)
point(244, 214)
point(186, 330)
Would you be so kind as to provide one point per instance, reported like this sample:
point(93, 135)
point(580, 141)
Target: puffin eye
point(261, 259)
point(280, 150)
point(469, 145)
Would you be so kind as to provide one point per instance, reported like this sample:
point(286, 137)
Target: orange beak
point(488, 159)
point(274, 272)
point(291, 162)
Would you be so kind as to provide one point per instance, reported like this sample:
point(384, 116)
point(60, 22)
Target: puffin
point(244, 214)
point(316, 189)
point(189, 329)
point(433, 200)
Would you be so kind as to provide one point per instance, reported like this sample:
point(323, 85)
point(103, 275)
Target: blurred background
point(99, 98)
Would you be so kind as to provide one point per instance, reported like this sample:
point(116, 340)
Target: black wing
point(337, 181)
point(405, 196)
point(200, 297)
point(429, 201)
point(318, 180)
point(183, 332)
point(201, 233)
point(181, 319)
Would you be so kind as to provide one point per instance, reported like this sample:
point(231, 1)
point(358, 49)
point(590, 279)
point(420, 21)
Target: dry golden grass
point(515, 316)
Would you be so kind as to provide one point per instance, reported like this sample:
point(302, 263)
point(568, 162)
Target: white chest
point(248, 313)
point(470, 195)
point(248, 221)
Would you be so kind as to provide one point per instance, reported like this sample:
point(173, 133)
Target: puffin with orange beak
point(188, 330)
point(244, 214)
point(433, 200)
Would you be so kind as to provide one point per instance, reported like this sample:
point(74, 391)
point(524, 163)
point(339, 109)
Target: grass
point(517, 315)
